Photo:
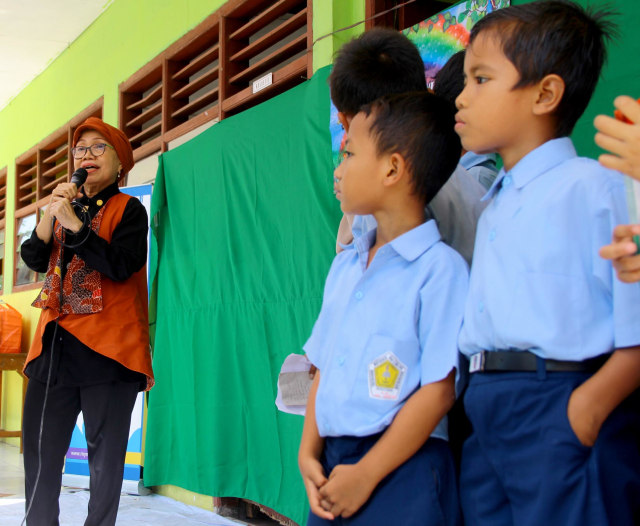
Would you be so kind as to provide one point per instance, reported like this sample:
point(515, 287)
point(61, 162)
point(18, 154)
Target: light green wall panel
point(329, 17)
point(124, 38)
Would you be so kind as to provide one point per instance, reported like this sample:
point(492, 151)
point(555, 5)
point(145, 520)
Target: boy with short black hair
point(381, 62)
point(373, 449)
point(552, 336)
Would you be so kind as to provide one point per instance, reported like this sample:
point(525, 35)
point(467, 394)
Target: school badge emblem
point(386, 376)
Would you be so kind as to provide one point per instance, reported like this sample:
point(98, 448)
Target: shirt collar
point(535, 163)
point(410, 245)
point(471, 159)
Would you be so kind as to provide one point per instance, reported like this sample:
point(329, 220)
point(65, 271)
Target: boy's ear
point(344, 120)
point(549, 94)
point(396, 169)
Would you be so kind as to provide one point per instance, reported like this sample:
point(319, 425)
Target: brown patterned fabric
point(82, 290)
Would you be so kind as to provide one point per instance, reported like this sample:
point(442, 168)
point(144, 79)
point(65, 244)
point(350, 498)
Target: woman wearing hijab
point(90, 351)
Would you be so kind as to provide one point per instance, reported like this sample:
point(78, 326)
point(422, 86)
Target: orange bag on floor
point(10, 329)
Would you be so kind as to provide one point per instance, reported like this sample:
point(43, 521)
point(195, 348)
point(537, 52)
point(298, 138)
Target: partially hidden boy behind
point(449, 83)
point(374, 445)
point(552, 336)
point(382, 62)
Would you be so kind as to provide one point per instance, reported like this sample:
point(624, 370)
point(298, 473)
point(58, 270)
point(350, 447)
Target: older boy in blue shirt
point(552, 336)
point(373, 449)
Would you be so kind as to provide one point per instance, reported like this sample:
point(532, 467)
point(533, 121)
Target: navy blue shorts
point(524, 466)
point(421, 492)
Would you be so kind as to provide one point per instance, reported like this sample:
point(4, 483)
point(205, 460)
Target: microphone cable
point(78, 177)
point(44, 405)
point(83, 214)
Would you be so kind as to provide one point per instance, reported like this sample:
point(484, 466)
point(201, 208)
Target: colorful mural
point(440, 36)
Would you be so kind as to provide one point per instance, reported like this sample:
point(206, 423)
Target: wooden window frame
point(208, 73)
point(42, 162)
point(405, 15)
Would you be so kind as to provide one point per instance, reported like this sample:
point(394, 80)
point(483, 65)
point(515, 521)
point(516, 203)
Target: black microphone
point(79, 177)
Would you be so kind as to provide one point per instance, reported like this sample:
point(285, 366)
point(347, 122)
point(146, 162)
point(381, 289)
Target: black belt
point(526, 361)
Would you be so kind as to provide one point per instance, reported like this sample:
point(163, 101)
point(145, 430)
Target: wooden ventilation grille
point(54, 165)
point(47, 164)
point(244, 53)
point(261, 38)
point(192, 79)
point(27, 179)
point(141, 108)
point(3, 194)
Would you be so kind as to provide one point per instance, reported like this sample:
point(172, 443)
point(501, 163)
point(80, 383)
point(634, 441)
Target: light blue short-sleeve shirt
point(385, 330)
point(537, 281)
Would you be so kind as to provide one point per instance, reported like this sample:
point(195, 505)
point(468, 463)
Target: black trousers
point(106, 410)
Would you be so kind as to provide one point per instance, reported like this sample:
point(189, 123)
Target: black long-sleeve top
point(75, 364)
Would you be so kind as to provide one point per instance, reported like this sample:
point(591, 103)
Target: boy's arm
point(310, 450)
point(622, 139)
point(592, 402)
point(622, 252)
point(350, 486)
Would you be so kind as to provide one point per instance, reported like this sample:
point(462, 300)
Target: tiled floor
point(134, 509)
point(11, 473)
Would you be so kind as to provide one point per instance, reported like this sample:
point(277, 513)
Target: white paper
point(294, 377)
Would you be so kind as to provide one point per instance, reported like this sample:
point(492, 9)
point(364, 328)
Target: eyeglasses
point(96, 150)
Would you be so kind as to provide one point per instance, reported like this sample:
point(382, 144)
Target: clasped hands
point(60, 206)
point(342, 494)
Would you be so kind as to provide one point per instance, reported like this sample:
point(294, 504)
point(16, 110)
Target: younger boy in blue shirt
point(551, 335)
point(373, 449)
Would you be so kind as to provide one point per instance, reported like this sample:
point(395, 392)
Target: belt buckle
point(476, 362)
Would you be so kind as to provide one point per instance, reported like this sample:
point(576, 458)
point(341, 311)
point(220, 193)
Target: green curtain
point(244, 220)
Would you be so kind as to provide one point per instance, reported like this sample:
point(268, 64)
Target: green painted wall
point(329, 16)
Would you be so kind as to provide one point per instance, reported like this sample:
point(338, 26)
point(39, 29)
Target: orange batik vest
point(110, 317)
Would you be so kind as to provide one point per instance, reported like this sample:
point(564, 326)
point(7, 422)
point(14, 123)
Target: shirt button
point(492, 235)
point(359, 295)
point(507, 180)
point(341, 361)
point(480, 307)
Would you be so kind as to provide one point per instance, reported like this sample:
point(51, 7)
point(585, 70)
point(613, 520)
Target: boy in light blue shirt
point(374, 446)
point(553, 338)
